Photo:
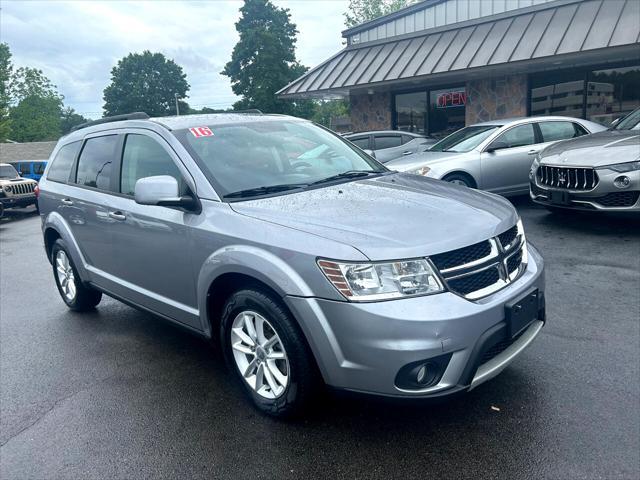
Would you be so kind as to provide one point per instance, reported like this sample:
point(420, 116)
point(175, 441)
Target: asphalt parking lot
point(120, 394)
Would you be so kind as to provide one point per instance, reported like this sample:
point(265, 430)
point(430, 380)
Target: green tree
point(6, 72)
point(69, 119)
point(360, 11)
point(31, 82)
point(146, 82)
point(263, 61)
point(36, 118)
point(326, 112)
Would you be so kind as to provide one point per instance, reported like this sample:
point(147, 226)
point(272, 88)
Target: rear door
point(152, 260)
point(507, 170)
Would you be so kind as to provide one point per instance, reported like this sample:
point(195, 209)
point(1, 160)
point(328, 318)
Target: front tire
point(266, 349)
point(459, 179)
point(77, 296)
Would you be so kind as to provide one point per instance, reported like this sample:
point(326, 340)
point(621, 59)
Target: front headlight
point(622, 167)
point(382, 281)
point(420, 171)
point(534, 166)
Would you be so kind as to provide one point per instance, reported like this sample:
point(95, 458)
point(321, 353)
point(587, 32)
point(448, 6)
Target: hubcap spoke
point(251, 367)
point(277, 374)
point(271, 342)
point(270, 379)
point(241, 347)
point(248, 323)
point(243, 336)
point(276, 356)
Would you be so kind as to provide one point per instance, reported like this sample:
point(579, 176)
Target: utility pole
point(177, 107)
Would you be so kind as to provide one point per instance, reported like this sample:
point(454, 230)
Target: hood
point(595, 150)
point(390, 217)
point(413, 162)
point(5, 181)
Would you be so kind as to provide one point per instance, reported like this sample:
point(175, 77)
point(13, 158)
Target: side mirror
point(615, 122)
point(162, 190)
point(370, 152)
point(496, 146)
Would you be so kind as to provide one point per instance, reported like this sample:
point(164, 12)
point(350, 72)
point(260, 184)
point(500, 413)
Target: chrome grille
point(483, 268)
point(566, 177)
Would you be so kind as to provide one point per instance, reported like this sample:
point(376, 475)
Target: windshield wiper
point(252, 192)
point(347, 174)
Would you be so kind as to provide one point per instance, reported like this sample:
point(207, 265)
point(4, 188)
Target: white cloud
point(77, 43)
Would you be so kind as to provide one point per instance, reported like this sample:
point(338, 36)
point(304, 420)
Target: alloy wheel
point(66, 278)
point(259, 354)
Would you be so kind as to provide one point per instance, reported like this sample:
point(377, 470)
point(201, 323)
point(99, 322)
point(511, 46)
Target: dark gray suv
point(308, 261)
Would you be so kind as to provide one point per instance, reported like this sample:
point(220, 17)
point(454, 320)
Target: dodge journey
point(308, 262)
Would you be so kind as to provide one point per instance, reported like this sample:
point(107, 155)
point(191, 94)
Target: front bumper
point(363, 346)
point(10, 202)
point(604, 197)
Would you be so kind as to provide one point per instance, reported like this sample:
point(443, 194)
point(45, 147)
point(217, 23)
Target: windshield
point(7, 171)
point(263, 157)
point(465, 139)
point(630, 122)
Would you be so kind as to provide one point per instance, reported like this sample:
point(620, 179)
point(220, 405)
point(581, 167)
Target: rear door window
point(361, 142)
point(553, 131)
point(96, 159)
point(387, 141)
point(38, 168)
point(62, 163)
point(145, 157)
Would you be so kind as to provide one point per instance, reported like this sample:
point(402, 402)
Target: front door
point(506, 169)
point(152, 243)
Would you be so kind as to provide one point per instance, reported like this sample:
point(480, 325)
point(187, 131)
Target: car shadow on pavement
point(597, 223)
point(17, 214)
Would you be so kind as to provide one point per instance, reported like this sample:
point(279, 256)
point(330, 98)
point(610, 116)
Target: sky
point(77, 43)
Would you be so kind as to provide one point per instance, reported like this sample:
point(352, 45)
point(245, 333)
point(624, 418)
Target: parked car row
point(561, 162)
point(388, 145)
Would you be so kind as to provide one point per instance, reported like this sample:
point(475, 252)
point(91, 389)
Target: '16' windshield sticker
point(201, 132)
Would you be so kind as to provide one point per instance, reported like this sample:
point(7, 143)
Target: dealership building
point(438, 65)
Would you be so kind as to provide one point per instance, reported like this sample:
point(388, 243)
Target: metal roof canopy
point(567, 33)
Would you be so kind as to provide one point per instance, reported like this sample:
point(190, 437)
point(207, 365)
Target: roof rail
point(251, 110)
point(115, 118)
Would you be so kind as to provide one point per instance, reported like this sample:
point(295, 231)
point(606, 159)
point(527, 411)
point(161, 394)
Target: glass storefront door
point(434, 112)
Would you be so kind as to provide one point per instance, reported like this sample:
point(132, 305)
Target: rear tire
point(265, 348)
point(460, 179)
point(77, 296)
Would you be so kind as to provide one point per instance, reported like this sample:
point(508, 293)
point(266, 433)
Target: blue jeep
point(32, 169)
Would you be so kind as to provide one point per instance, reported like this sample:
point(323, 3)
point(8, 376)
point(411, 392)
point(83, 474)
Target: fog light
point(622, 181)
point(422, 374)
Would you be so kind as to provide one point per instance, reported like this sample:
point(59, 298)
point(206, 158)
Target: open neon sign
point(452, 99)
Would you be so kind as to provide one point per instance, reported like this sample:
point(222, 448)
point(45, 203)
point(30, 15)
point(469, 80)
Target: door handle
point(117, 215)
point(66, 201)
point(533, 152)
point(405, 153)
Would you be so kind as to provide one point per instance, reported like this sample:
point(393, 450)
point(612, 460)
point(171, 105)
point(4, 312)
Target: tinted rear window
point(62, 163)
point(96, 159)
point(388, 142)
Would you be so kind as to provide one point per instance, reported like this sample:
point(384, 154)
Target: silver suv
point(308, 261)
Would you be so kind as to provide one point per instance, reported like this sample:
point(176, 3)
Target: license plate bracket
point(560, 197)
point(520, 313)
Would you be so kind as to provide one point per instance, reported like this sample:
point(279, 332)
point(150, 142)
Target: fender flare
point(56, 222)
point(252, 261)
